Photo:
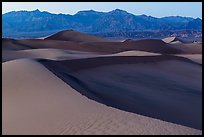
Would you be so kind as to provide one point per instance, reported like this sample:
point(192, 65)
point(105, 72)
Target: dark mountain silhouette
point(90, 21)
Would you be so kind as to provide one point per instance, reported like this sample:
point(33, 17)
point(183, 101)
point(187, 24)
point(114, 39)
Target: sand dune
point(174, 40)
point(60, 50)
point(39, 43)
point(194, 57)
point(9, 44)
point(121, 80)
point(52, 54)
point(155, 46)
point(74, 83)
point(185, 47)
point(35, 101)
point(61, 54)
point(192, 48)
point(170, 39)
point(133, 53)
point(75, 36)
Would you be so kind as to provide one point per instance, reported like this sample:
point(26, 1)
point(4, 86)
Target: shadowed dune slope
point(75, 36)
point(148, 45)
point(10, 44)
point(36, 102)
point(39, 43)
point(192, 48)
point(156, 46)
point(194, 57)
point(50, 53)
point(163, 87)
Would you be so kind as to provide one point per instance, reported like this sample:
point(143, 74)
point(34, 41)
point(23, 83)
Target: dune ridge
point(82, 75)
point(75, 36)
point(74, 83)
point(40, 107)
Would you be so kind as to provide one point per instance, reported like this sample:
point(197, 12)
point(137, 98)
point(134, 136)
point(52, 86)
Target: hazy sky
point(156, 9)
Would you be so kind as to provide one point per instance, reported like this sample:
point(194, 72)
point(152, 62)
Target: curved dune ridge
point(60, 54)
point(170, 39)
point(74, 83)
point(194, 57)
point(75, 36)
point(156, 46)
point(53, 107)
point(189, 48)
point(134, 53)
point(173, 40)
point(39, 43)
point(9, 44)
point(119, 81)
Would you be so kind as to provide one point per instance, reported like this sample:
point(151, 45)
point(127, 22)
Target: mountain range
point(42, 23)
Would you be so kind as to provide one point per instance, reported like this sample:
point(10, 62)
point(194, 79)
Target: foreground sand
point(160, 86)
point(35, 101)
point(74, 83)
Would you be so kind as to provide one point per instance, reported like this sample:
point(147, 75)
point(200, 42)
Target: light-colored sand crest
point(135, 53)
point(35, 101)
point(176, 42)
point(52, 54)
point(173, 40)
point(194, 57)
point(169, 39)
point(60, 54)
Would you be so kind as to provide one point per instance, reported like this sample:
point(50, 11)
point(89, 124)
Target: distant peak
point(118, 11)
point(91, 11)
point(37, 10)
point(198, 19)
point(144, 15)
point(86, 11)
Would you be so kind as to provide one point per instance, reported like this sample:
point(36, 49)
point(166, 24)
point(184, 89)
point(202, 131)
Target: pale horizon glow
point(155, 9)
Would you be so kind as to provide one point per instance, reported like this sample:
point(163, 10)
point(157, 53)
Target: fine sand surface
point(194, 57)
point(52, 54)
point(74, 83)
point(193, 48)
point(75, 36)
point(163, 87)
point(148, 45)
point(60, 54)
point(155, 46)
point(35, 101)
point(24, 44)
point(174, 40)
point(169, 39)
point(133, 53)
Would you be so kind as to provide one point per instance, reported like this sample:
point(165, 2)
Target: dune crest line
point(150, 89)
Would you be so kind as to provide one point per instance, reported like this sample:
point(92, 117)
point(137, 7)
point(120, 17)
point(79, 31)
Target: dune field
point(74, 83)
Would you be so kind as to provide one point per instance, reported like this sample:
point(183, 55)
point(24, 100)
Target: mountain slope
point(26, 22)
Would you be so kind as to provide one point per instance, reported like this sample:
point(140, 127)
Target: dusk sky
point(156, 9)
